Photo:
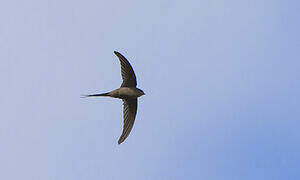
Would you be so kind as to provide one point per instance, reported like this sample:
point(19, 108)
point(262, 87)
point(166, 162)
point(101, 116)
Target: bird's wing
point(128, 76)
point(129, 112)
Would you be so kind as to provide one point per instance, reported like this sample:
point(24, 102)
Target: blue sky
point(221, 80)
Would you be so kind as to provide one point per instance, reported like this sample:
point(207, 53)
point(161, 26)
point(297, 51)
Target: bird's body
point(128, 93)
point(122, 93)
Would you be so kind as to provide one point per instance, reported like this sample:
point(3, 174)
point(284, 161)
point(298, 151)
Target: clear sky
point(221, 80)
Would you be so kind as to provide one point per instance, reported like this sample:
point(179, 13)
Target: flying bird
point(128, 92)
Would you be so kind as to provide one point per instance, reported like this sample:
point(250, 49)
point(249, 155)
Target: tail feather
point(92, 95)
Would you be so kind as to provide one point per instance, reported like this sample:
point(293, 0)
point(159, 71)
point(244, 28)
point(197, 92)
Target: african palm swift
point(128, 93)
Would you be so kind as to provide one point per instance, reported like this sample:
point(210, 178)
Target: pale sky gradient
point(221, 80)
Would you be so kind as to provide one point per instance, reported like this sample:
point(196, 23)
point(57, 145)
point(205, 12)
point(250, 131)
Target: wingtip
point(116, 52)
point(120, 141)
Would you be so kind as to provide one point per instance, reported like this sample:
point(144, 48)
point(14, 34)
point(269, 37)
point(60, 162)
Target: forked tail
point(92, 95)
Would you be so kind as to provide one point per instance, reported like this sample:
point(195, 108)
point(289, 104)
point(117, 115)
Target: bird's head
point(140, 92)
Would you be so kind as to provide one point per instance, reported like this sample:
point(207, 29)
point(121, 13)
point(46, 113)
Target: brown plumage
point(128, 93)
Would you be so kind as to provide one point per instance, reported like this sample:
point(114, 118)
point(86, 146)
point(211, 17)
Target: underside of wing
point(128, 76)
point(129, 113)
